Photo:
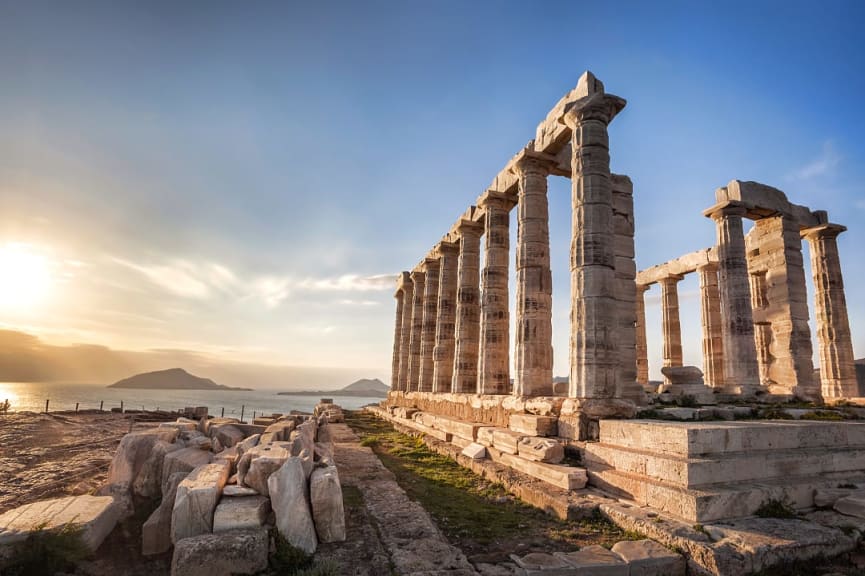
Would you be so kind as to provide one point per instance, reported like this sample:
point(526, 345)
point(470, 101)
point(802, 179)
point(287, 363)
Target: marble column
point(593, 345)
point(642, 347)
point(443, 353)
point(397, 339)
point(494, 373)
point(710, 316)
point(534, 337)
point(837, 368)
point(672, 330)
point(428, 328)
point(405, 331)
point(737, 319)
point(418, 279)
point(465, 378)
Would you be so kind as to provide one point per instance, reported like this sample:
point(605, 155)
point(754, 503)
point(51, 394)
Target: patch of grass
point(774, 508)
point(699, 528)
point(775, 413)
point(288, 560)
point(352, 497)
point(471, 510)
point(826, 415)
point(46, 552)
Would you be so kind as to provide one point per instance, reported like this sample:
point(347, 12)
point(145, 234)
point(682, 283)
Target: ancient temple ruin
point(452, 319)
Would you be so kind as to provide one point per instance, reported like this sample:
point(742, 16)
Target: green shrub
point(288, 560)
point(774, 508)
point(46, 552)
point(822, 415)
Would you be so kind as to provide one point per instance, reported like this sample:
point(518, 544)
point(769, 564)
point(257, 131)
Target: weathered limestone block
point(833, 519)
point(133, 452)
point(183, 460)
point(541, 449)
point(237, 490)
point(485, 435)
point(566, 477)
point(542, 563)
point(533, 425)
point(507, 440)
point(826, 497)
point(325, 494)
point(197, 496)
point(256, 466)
point(228, 435)
point(222, 554)
point(851, 506)
point(475, 451)
point(648, 558)
point(688, 381)
point(263, 421)
point(181, 424)
point(595, 560)
point(289, 499)
point(148, 482)
point(228, 454)
point(280, 431)
point(248, 444)
point(202, 442)
point(156, 531)
point(96, 516)
point(240, 513)
point(209, 426)
point(467, 430)
point(403, 412)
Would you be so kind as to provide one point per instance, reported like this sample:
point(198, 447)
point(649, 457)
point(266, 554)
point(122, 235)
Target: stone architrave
point(737, 328)
point(670, 321)
point(642, 347)
point(494, 374)
point(468, 308)
point(418, 279)
point(837, 367)
point(443, 353)
point(405, 330)
point(397, 334)
point(428, 328)
point(593, 349)
point(710, 315)
point(534, 331)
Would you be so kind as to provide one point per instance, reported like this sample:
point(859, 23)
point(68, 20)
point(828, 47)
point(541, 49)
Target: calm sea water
point(31, 396)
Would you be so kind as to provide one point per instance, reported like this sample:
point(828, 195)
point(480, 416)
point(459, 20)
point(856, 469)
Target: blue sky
point(242, 179)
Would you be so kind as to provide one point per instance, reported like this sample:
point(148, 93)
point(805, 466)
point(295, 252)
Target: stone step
point(690, 439)
point(717, 501)
point(567, 477)
point(724, 468)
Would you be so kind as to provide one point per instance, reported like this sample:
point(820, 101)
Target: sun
point(25, 277)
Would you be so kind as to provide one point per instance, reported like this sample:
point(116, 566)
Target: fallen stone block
point(325, 495)
point(851, 506)
point(567, 477)
point(538, 563)
point(826, 497)
point(648, 558)
point(94, 516)
point(595, 560)
point(202, 442)
point(184, 460)
point(257, 464)
point(211, 424)
point(197, 496)
point(240, 513)
point(279, 431)
point(156, 531)
point(133, 451)
point(221, 554)
point(248, 444)
point(228, 435)
point(235, 490)
point(507, 440)
point(533, 425)
point(180, 425)
point(263, 421)
point(148, 482)
point(289, 499)
point(475, 451)
point(541, 449)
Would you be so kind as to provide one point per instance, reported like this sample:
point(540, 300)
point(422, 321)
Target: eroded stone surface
point(240, 513)
point(289, 499)
point(221, 554)
point(648, 558)
point(197, 496)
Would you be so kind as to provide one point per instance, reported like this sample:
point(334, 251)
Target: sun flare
point(25, 277)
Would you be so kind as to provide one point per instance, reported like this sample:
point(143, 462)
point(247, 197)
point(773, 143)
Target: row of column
point(729, 342)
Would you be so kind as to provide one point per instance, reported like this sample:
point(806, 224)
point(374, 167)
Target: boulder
point(228, 435)
point(197, 496)
point(240, 512)
point(133, 451)
point(184, 460)
point(288, 496)
point(156, 531)
point(221, 554)
point(325, 494)
point(148, 482)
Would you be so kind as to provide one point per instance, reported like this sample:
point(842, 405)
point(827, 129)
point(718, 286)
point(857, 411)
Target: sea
point(32, 396)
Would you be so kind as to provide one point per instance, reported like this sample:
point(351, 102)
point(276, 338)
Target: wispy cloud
point(824, 164)
point(350, 283)
point(362, 303)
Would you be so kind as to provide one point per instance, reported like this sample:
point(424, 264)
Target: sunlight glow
point(25, 277)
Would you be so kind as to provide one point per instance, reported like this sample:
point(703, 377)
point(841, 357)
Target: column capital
point(417, 276)
point(724, 210)
point(429, 264)
point(709, 266)
point(403, 279)
point(671, 279)
point(445, 247)
point(469, 227)
point(530, 161)
point(597, 106)
point(495, 199)
point(643, 288)
point(822, 231)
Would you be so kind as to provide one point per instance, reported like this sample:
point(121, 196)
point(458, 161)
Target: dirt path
point(403, 530)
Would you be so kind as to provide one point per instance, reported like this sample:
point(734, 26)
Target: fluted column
point(642, 347)
point(443, 354)
point(405, 330)
point(428, 329)
point(465, 379)
point(418, 279)
point(672, 330)
point(593, 346)
point(837, 368)
point(397, 340)
point(737, 328)
point(534, 338)
point(494, 374)
point(710, 315)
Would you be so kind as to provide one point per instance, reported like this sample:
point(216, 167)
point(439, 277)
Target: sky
point(245, 180)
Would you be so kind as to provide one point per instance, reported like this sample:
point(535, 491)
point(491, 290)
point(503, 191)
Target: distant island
point(171, 379)
point(365, 387)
